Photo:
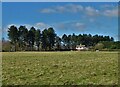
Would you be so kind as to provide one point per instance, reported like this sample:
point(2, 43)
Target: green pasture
point(60, 68)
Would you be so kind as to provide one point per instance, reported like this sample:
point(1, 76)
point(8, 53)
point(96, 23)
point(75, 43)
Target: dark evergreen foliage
point(31, 39)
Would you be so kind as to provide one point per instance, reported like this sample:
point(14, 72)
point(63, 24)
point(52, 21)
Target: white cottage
point(81, 47)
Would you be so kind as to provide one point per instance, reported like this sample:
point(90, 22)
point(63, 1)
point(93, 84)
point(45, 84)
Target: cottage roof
point(80, 45)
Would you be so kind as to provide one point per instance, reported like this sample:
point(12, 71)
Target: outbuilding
point(81, 47)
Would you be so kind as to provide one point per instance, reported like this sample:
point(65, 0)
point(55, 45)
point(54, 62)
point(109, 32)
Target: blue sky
point(65, 17)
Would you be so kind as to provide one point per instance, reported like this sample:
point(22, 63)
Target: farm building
point(81, 47)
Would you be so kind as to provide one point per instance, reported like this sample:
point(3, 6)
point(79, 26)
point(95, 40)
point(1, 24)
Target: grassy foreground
point(60, 68)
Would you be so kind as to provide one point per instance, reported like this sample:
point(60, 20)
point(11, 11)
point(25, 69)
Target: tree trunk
point(38, 48)
point(15, 47)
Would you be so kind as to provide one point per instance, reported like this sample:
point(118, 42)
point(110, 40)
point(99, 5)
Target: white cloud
point(66, 26)
point(61, 9)
point(109, 10)
point(70, 26)
point(41, 25)
point(106, 10)
point(5, 29)
point(91, 11)
point(111, 13)
point(79, 26)
point(8, 26)
point(28, 26)
point(71, 8)
point(17, 25)
point(47, 10)
point(106, 6)
point(74, 8)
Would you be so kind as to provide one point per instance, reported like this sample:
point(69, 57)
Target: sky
point(65, 17)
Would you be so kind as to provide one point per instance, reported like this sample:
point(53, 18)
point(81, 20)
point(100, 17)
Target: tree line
point(23, 39)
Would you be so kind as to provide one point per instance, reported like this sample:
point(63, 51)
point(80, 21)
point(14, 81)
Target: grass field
point(60, 68)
